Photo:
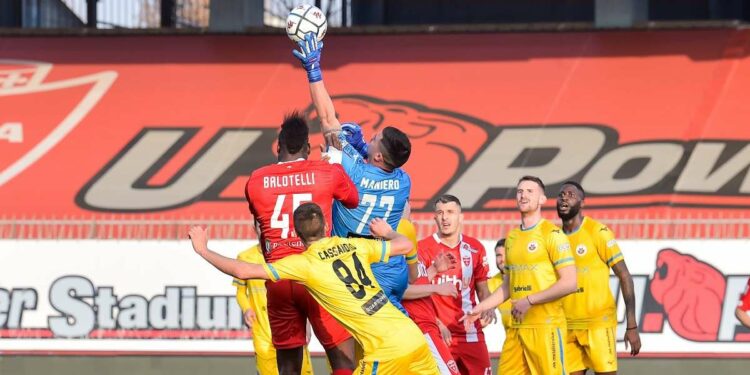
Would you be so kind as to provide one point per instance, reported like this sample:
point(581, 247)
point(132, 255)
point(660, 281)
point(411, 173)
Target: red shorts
point(472, 358)
point(290, 306)
point(440, 352)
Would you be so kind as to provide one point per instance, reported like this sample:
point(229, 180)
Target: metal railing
point(240, 228)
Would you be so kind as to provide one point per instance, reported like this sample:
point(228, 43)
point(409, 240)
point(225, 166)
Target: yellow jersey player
point(591, 311)
point(496, 281)
point(540, 271)
point(251, 296)
point(337, 273)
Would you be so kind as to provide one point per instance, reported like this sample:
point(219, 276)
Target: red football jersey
point(422, 310)
point(275, 191)
point(472, 268)
point(744, 304)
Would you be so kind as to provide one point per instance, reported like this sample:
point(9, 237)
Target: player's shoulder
point(549, 228)
point(472, 242)
point(595, 226)
point(427, 243)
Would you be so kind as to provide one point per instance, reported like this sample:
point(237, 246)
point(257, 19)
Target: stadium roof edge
point(388, 29)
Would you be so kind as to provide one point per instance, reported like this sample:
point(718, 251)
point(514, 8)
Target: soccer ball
point(304, 19)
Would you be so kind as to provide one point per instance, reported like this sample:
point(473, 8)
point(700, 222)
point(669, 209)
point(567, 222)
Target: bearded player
point(541, 271)
point(273, 193)
point(375, 168)
point(591, 310)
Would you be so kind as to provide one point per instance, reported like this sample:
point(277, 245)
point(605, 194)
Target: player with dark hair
point(337, 273)
point(468, 347)
point(496, 281)
point(540, 271)
point(375, 168)
point(273, 193)
point(591, 311)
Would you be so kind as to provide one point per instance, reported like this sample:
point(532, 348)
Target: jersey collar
point(291, 161)
point(438, 240)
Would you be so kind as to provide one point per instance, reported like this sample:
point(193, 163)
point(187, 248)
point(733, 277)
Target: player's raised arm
point(400, 245)
point(229, 266)
point(309, 54)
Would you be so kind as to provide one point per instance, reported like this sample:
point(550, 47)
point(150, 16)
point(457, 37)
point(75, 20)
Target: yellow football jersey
point(532, 257)
point(595, 251)
point(406, 228)
point(494, 283)
point(337, 273)
point(256, 296)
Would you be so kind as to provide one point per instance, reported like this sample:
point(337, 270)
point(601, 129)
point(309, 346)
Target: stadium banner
point(654, 123)
point(158, 297)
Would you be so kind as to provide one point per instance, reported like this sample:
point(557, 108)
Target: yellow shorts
point(535, 351)
point(591, 349)
point(418, 362)
point(265, 361)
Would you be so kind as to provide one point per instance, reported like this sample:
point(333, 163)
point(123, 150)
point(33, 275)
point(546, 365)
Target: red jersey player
point(418, 303)
point(743, 308)
point(273, 193)
point(470, 277)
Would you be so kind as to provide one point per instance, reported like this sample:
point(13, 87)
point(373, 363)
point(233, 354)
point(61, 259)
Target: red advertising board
point(653, 123)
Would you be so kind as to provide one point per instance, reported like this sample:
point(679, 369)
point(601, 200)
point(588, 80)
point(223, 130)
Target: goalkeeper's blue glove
point(353, 134)
point(309, 56)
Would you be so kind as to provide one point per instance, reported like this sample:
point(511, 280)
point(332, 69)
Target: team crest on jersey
point(581, 250)
point(533, 246)
point(452, 366)
point(466, 259)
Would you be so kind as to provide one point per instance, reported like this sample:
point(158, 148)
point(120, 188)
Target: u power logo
point(453, 153)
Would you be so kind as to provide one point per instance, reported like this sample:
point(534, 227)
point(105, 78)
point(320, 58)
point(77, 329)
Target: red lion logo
point(691, 293)
point(435, 133)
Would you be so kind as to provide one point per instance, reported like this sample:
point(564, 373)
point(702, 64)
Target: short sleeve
point(558, 248)
point(609, 250)
point(377, 251)
point(294, 267)
point(481, 267)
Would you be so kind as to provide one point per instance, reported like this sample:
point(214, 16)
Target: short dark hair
point(447, 198)
point(500, 243)
point(309, 221)
point(294, 134)
point(577, 186)
point(396, 147)
point(533, 179)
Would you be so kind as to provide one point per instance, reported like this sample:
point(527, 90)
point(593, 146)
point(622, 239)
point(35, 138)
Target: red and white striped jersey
point(472, 268)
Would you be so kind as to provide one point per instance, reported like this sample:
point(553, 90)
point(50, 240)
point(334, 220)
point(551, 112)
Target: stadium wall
point(89, 297)
point(654, 123)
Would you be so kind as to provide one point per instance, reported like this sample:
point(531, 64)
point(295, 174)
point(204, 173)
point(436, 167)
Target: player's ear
point(542, 199)
point(278, 149)
point(327, 228)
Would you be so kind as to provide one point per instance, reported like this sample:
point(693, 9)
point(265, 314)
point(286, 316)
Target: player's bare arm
point(445, 333)
point(632, 338)
point(483, 292)
point(309, 55)
point(425, 290)
point(566, 283)
point(413, 272)
point(490, 303)
point(231, 267)
point(400, 245)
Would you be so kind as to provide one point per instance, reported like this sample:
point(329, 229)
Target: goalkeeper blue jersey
point(381, 194)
